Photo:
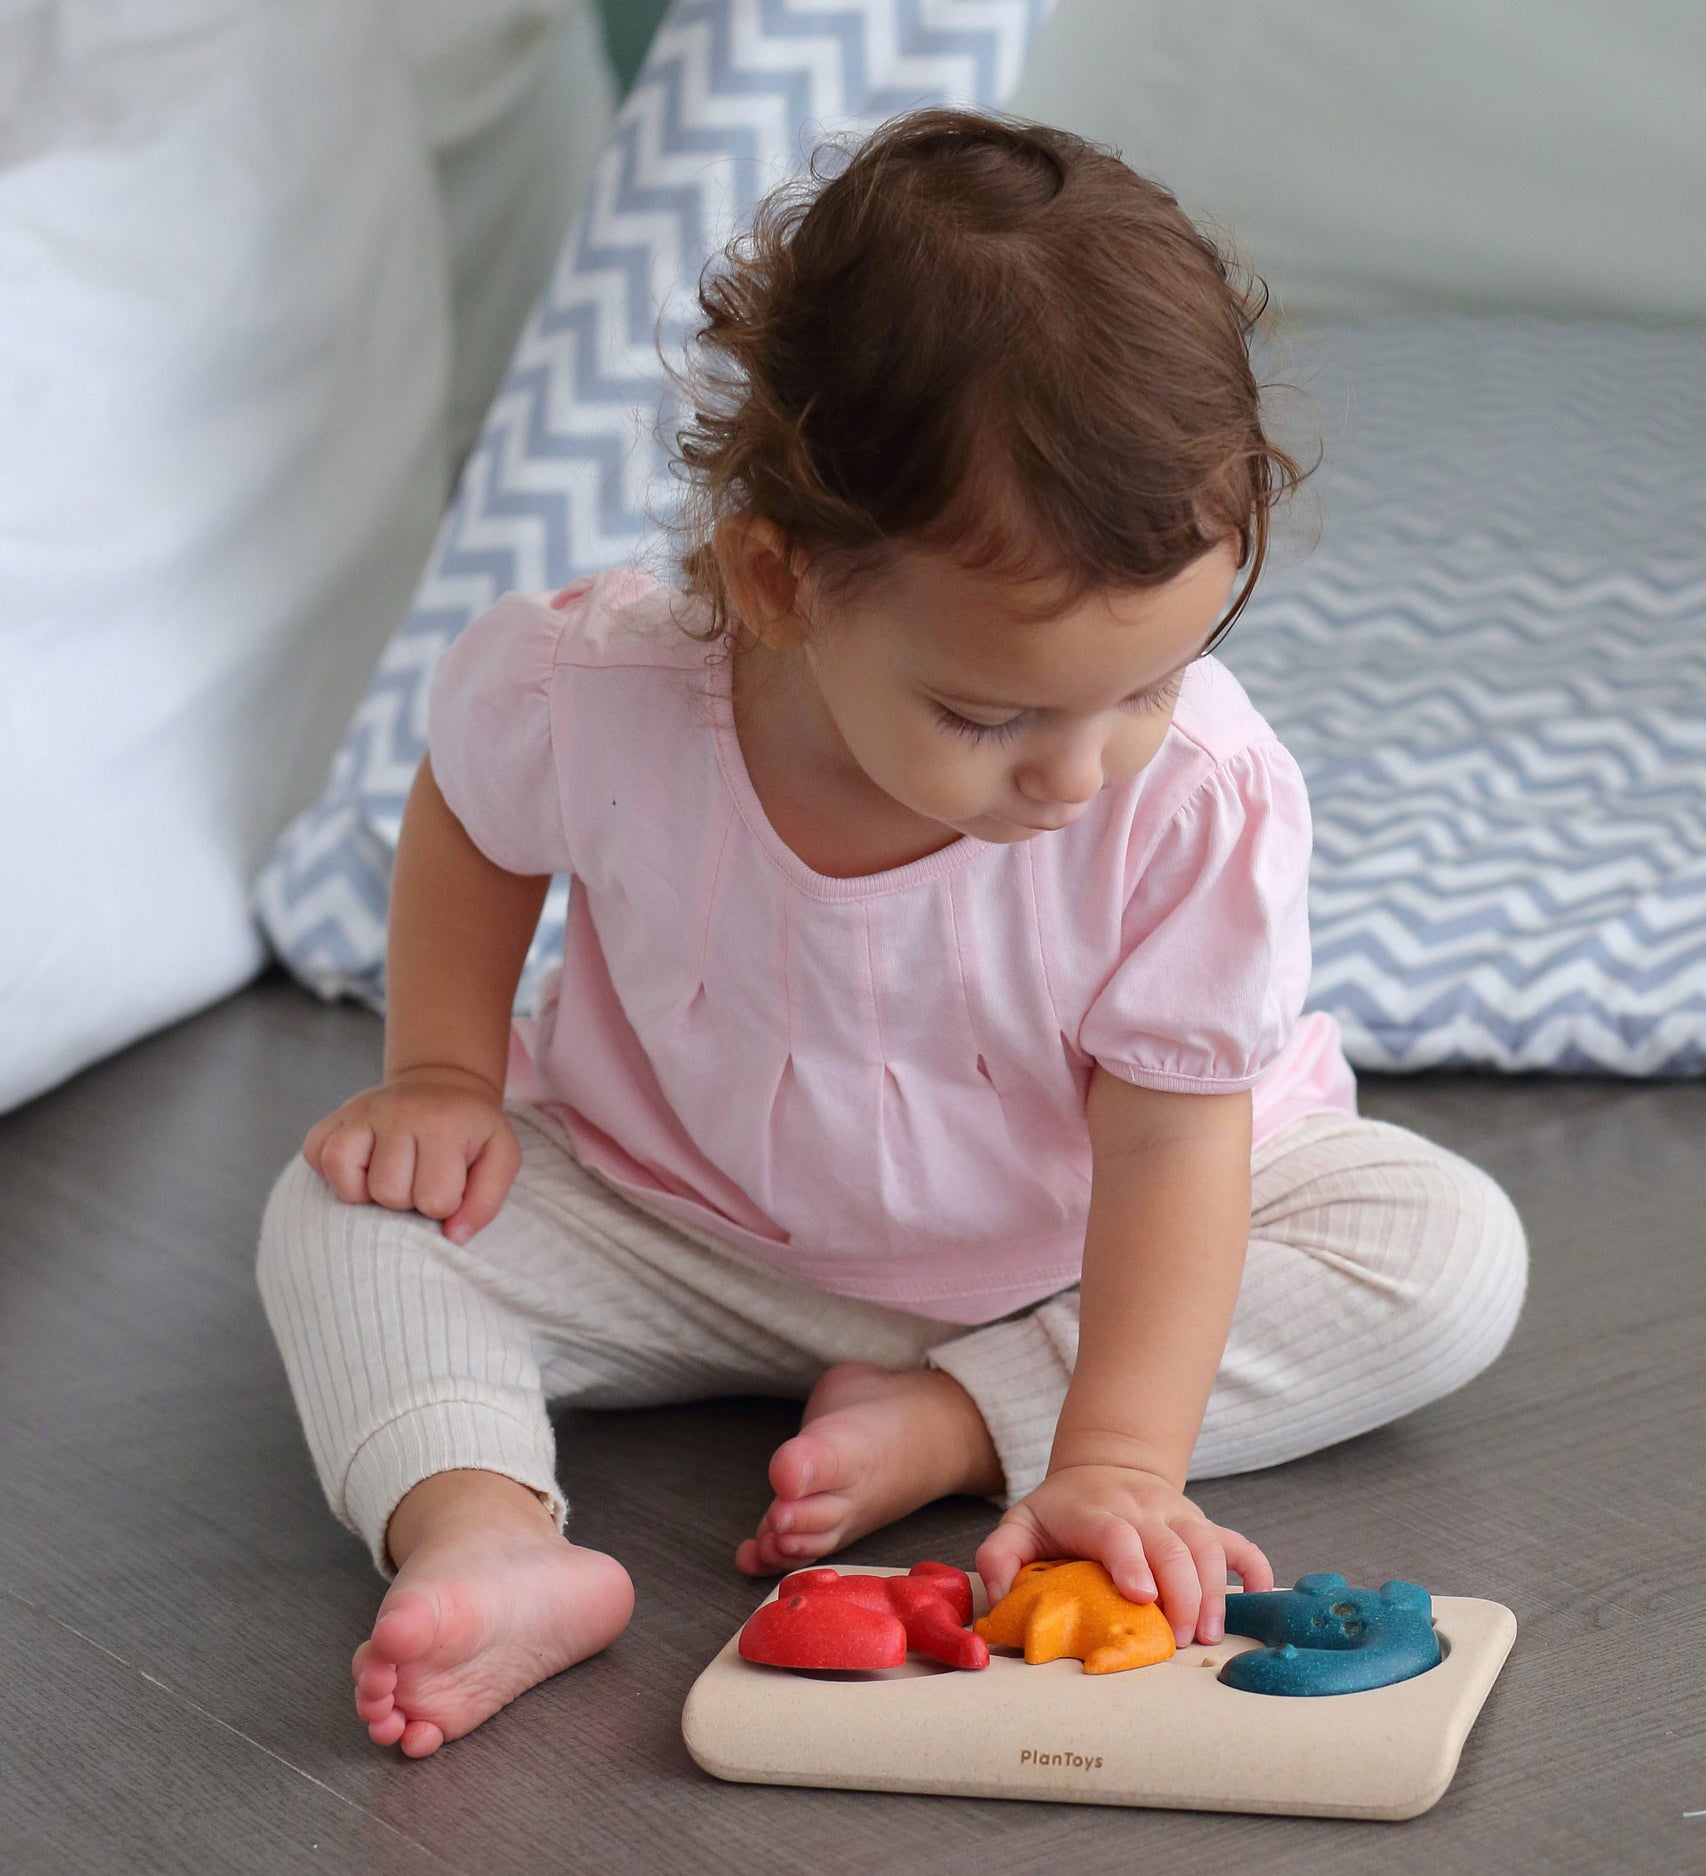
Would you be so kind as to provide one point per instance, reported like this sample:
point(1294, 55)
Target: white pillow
point(1539, 156)
point(516, 99)
point(225, 371)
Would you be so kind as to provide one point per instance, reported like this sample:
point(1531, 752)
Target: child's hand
point(431, 1140)
point(1141, 1531)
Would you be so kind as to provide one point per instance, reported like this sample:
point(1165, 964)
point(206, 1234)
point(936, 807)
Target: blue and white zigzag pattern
point(1493, 672)
point(569, 469)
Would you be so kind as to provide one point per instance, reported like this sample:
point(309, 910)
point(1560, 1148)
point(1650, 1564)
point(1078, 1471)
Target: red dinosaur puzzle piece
point(822, 1619)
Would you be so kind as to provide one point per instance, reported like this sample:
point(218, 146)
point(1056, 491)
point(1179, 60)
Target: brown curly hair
point(985, 336)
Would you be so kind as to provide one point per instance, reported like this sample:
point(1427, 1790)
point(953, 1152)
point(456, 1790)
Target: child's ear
point(761, 574)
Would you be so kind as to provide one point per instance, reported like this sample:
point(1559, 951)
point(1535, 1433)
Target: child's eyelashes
point(974, 732)
point(1157, 699)
point(1160, 697)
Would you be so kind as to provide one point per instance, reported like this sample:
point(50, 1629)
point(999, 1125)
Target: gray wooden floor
point(177, 1607)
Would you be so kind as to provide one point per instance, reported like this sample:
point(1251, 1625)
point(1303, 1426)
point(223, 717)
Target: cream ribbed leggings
point(1383, 1271)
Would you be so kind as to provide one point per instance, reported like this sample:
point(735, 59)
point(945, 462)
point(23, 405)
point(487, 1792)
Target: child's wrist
point(444, 1071)
point(1122, 1452)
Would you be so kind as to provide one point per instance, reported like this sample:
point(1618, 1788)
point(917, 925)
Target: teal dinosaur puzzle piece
point(1326, 1638)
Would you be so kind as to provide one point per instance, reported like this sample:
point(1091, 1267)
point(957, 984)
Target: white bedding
point(259, 279)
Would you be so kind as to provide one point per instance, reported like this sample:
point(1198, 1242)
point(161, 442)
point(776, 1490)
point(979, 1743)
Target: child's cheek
point(1135, 748)
point(973, 780)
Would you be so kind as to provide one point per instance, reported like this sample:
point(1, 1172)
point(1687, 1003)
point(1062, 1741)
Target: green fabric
point(628, 29)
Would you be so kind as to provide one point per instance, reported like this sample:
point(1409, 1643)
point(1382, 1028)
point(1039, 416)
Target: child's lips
point(1041, 827)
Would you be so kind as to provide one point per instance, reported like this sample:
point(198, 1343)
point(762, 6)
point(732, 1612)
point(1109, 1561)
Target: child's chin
point(1003, 829)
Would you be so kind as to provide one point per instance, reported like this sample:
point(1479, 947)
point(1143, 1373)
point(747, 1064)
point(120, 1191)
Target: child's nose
point(1066, 777)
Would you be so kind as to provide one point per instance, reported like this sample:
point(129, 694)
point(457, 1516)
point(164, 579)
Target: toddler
point(927, 1043)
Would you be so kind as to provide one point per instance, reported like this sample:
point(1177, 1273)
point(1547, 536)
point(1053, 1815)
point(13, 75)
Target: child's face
point(996, 725)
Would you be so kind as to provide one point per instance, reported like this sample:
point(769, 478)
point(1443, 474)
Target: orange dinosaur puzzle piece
point(1056, 1609)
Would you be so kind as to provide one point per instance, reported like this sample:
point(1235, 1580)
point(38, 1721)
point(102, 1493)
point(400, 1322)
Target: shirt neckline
point(816, 885)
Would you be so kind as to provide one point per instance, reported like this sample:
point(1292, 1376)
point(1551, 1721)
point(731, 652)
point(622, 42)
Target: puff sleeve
point(489, 733)
point(1214, 939)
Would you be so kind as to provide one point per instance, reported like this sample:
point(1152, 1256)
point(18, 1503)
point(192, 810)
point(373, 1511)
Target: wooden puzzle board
point(1171, 1735)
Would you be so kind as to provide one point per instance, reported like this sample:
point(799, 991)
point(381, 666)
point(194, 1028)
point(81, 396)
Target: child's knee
point(1473, 1280)
point(296, 1185)
point(300, 1211)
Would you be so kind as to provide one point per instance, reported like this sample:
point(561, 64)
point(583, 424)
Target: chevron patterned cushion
point(1493, 672)
point(1492, 668)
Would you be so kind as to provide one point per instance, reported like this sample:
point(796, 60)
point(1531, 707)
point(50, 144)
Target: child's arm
point(1164, 1253)
point(433, 1138)
point(455, 944)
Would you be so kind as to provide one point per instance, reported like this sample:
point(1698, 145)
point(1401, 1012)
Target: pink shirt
point(876, 1084)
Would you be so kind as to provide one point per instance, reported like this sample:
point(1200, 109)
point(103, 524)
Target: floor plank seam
point(225, 1725)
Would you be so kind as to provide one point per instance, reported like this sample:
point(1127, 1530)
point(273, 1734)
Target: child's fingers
point(1003, 1554)
point(1254, 1570)
point(344, 1156)
point(441, 1171)
point(1205, 1546)
point(490, 1177)
point(316, 1138)
point(391, 1171)
point(1119, 1549)
point(1176, 1575)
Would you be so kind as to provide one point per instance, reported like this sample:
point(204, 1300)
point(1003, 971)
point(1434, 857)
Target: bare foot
point(872, 1447)
point(488, 1600)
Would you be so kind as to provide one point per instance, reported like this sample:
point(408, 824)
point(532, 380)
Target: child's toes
point(769, 1559)
point(816, 1516)
point(758, 1555)
point(372, 1707)
point(792, 1532)
point(371, 1670)
point(366, 1694)
point(388, 1731)
point(405, 1628)
point(822, 1525)
point(805, 1546)
point(420, 1738)
point(806, 1463)
point(374, 1675)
